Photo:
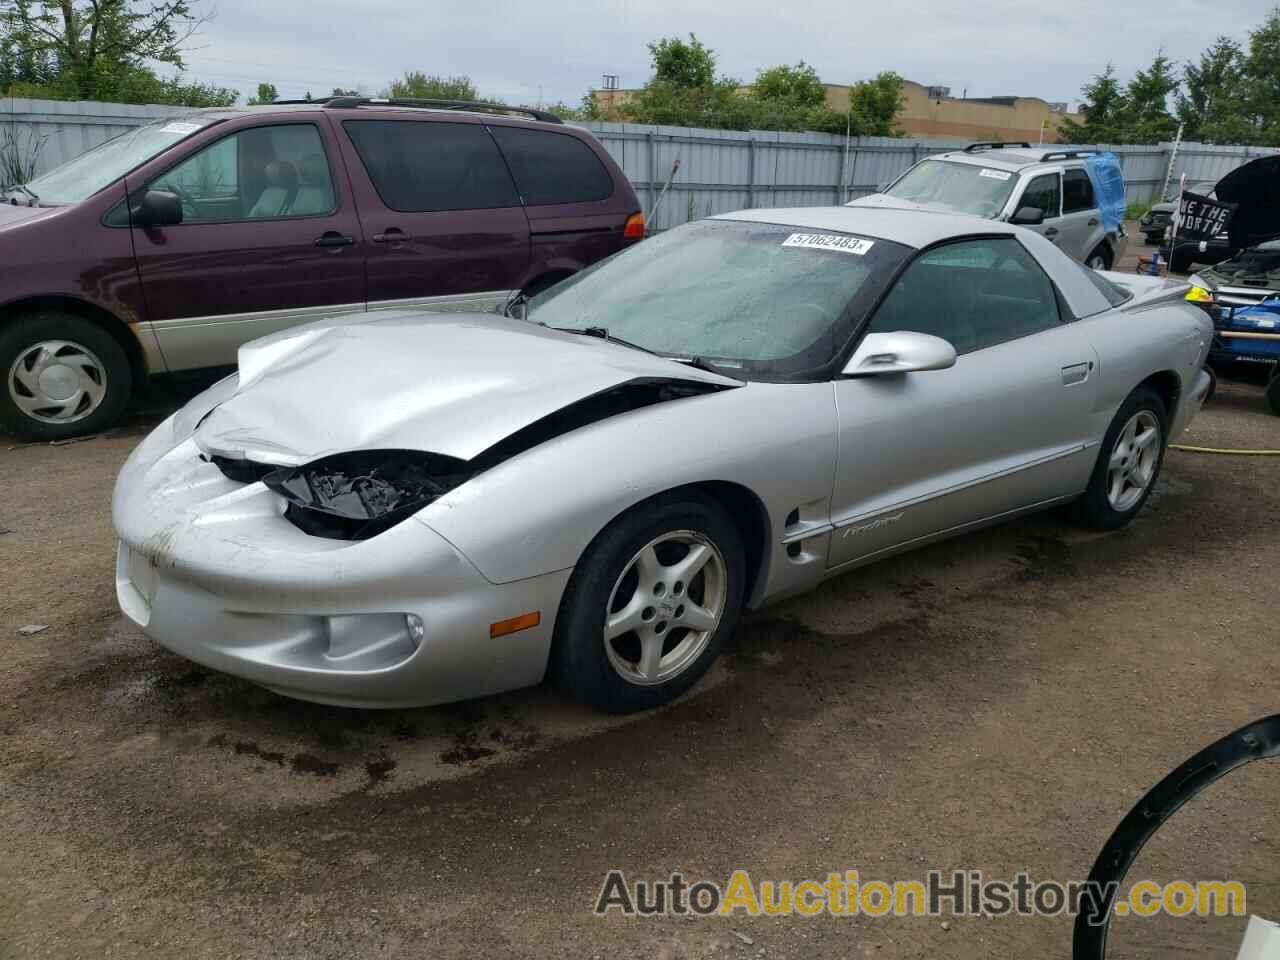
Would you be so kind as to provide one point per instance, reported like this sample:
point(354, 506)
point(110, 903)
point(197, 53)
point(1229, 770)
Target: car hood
point(1255, 186)
point(883, 200)
point(447, 383)
point(11, 216)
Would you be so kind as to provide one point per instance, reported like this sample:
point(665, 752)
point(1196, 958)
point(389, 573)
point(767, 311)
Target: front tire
point(1273, 393)
point(649, 605)
point(1128, 463)
point(64, 377)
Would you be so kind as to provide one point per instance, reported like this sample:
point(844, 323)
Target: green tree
point(875, 104)
point(1144, 114)
point(418, 85)
point(1211, 104)
point(1262, 80)
point(681, 64)
point(793, 98)
point(1103, 103)
point(339, 92)
point(102, 49)
point(266, 94)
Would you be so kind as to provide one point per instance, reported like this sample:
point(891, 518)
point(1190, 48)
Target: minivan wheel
point(649, 605)
point(63, 377)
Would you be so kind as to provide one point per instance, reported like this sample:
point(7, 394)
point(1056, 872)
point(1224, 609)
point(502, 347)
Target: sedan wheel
point(1128, 463)
point(665, 608)
point(649, 604)
point(1133, 461)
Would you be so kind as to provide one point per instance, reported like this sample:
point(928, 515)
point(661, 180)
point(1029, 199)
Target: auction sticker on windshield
point(180, 126)
point(826, 241)
point(995, 174)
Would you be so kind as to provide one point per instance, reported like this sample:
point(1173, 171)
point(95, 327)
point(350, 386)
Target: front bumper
point(210, 569)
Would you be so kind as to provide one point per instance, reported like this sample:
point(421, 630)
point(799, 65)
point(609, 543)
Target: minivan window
point(106, 163)
point(553, 167)
point(419, 166)
point(260, 173)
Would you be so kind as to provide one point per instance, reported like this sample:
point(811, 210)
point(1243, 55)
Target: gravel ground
point(994, 703)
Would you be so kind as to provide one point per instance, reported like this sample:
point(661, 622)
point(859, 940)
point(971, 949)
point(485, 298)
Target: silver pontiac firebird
point(396, 509)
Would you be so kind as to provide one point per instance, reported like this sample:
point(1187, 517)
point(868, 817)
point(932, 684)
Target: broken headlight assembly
point(357, 495)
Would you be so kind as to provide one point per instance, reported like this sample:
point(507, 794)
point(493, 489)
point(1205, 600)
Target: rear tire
point(1128, 464)
point(63, 376)
point(635, 632)
point(1273, 395)
point(1100, 259)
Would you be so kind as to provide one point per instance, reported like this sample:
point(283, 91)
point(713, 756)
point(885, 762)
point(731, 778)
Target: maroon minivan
point(168, 247)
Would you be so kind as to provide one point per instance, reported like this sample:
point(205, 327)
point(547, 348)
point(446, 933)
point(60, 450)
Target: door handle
point(1093, 221)
point(1074, 373)
point(1051, 232)
point(391, 235)
point(332, 238)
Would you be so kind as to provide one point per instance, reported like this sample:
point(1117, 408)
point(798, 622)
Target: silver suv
point(1045, 189)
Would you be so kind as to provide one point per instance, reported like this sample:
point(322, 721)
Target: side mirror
point(1027, 217)
point(157, 208)
point(902, 351)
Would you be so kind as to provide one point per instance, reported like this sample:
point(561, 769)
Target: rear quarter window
point(419, 166)
point(553, 167)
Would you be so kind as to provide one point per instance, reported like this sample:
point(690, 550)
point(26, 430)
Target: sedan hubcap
point(665, 607)
point(57, 381)
point(1133, 461)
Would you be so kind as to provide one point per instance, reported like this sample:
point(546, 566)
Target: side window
point(1077, 192)
point(553, 167)
point(419, 166)
point(972, 293)
point(261, 173)
point(1045, 192)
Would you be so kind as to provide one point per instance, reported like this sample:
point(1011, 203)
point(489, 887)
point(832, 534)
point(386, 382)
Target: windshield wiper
point(699, 363)
point(26, 190)
point(603, 333)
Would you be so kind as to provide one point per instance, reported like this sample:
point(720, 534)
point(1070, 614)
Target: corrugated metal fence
point(719, 170)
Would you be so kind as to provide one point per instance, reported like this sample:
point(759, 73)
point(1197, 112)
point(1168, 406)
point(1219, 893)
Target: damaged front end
point(359, 494)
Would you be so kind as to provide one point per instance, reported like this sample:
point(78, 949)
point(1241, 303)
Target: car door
point(927, 453)
point(1044, 191)
point(1081, 224)
point(445, 223)
point(268, 239)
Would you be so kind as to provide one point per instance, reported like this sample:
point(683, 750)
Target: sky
point(555, 50)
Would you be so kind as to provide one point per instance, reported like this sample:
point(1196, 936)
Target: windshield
point(957, 187)
point(758, 300)
point(108, 162)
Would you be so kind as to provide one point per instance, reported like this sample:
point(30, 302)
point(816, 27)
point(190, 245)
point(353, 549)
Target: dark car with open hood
point(1251, 273)
point(168, 247)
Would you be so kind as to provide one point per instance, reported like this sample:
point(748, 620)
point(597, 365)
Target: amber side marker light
point(1199, 295)
point(515, 624)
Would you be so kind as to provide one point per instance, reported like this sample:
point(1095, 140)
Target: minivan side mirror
point(1028, 217)
point(902, 351)
point(157, 208)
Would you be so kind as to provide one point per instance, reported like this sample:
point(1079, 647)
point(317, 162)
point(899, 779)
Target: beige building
point(931, 112)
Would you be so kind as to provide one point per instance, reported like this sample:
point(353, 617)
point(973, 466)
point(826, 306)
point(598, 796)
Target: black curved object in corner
point(1256, 741)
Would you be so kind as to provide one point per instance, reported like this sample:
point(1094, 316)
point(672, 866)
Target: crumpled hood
point(1255, 186)
point(446, 383)
point(884, 200)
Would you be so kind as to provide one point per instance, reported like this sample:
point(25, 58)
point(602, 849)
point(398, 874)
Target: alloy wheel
point(665, 607)
point(1133, 461)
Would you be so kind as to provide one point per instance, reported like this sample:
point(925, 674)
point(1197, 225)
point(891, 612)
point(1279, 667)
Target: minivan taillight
point(634, 230)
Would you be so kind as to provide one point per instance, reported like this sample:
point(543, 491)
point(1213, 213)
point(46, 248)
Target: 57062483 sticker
point(827, 241)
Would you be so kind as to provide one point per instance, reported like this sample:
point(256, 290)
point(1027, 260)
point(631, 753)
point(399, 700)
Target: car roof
point(1013, 158)
point(913, 228)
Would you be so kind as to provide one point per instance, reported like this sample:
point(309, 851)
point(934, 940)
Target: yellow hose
point(1225, 451)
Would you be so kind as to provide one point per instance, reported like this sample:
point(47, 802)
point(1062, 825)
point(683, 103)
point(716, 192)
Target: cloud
point(558, 49)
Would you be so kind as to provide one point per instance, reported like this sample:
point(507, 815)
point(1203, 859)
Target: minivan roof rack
point(475, 106)
point(995, 145)
point(1068, 154)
